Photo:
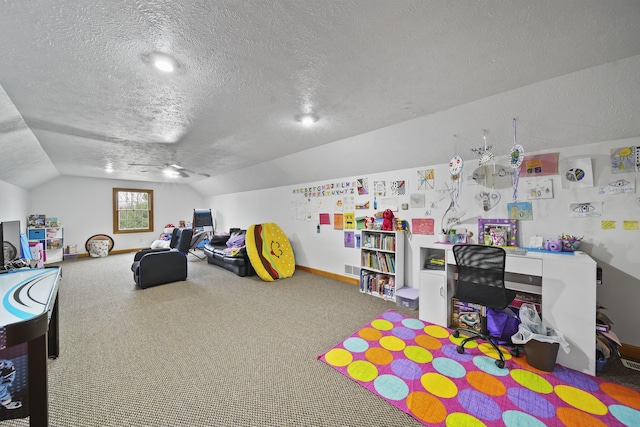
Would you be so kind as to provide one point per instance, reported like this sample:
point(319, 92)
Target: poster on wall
point(586, 209)
point(422, 226)
point(398, 188)
point(426, 179)
point(539, 189)
point(625, 159)
point(520, 210)
point(363, 186)
point(379, 188)
point(389, 203)
point(349, 239)
point(416, 200)
point(611, 185)
point(338, 221)
point(539, 165)
point(349, 220)
point(577, 174)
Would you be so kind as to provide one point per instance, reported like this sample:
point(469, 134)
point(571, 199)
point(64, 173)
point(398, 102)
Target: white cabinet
point(381, 263)
point(434, 307)
point(51, 242)
point(433, 298)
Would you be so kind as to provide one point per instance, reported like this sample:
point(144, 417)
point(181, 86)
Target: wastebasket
point(541, 343)
point(541, 355)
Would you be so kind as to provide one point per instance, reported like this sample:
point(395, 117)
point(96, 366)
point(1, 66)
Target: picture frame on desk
point(510, 226)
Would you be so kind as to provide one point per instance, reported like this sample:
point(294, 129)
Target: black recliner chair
point(158, 266)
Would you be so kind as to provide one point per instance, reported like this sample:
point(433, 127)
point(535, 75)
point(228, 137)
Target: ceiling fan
point(173, 168)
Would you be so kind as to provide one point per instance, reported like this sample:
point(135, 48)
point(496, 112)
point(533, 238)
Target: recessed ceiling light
point(307, 119)
point(164, 62)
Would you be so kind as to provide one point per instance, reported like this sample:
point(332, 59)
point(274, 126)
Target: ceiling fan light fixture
point(164, 62)
point(171, 173)
point(307, 119)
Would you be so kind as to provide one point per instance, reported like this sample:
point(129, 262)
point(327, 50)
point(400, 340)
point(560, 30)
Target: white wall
point(13, 203)
point(84, 207)
point(612, 249)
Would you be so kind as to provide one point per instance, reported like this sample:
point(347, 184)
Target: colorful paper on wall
point(630, 225)
point(349, 239)
point(338, 221)
point(539, 165)
point(349, 220)
point(520, 210)
point(625, 159)
point(422, 226)
point(324, 219)
point(608, 225)
point(363, 186)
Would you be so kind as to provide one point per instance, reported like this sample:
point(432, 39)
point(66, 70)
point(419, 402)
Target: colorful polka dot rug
point(414, 365)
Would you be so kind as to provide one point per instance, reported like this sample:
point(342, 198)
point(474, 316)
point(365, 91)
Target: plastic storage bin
point(407, 298)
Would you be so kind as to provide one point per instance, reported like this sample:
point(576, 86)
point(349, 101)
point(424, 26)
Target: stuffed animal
point(368, 223)
point(387, 220)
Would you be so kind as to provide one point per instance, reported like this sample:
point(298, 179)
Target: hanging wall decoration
point(516, 158)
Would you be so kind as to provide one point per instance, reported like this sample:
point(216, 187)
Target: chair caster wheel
point(460, 349)
point(500, 363)
point(456, 334)
point(515, 352)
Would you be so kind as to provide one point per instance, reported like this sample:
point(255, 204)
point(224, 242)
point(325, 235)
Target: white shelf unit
point(51, 241)
point(381, 263)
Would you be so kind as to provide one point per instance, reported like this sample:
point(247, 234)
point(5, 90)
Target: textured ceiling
point(78, 73)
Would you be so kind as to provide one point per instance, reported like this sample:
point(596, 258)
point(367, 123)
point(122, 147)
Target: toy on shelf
point(387, 222)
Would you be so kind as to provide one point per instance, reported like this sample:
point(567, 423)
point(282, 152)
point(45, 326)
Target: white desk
point(567, 284)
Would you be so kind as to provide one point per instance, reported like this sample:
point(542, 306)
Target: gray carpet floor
point(215, 350)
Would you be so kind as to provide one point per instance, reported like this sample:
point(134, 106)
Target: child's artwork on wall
point(363, 186)
point(520, 210)
point(379, 188)
point(349, 239)
point(539, 165)
point(349, 220)
point(577, 174)
point(422, 226)
point(625, 159)
point(587, 209)
point(488, 199)
point(338, 220)
point(389, 203)
point(398, 188)
point(630, 225)
point(349, 203)
point(539, 189)
point(426, 179)
point(416, 200)
point(363, 205)
point(608, 225)
point(617, 186)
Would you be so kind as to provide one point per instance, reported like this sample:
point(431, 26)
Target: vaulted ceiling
point(79, 91)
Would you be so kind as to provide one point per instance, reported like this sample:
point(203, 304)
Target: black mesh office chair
point(481, 281)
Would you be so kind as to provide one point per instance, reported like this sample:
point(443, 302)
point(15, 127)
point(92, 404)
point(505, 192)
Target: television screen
point(10, 235)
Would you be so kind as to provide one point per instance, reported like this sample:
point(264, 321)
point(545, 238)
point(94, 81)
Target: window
point(132, 210)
